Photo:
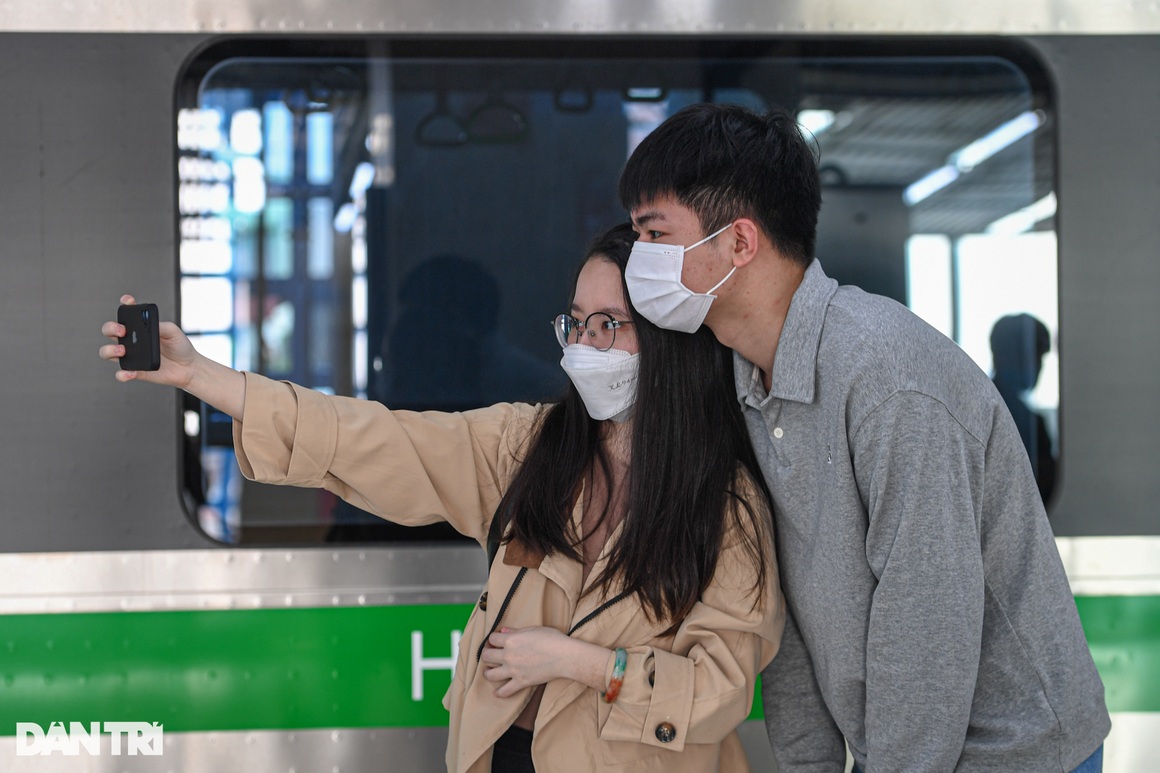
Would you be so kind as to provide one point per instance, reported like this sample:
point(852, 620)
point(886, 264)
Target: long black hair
point(688, 440)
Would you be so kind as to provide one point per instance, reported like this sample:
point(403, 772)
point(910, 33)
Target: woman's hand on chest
point(514, 659)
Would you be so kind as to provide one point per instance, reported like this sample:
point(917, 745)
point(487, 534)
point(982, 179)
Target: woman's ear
point(746, 238)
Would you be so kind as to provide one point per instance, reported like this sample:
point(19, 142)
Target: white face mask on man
point(605, 380)
point(654, 283)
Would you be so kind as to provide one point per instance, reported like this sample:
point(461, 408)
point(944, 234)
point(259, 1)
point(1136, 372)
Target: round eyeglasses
point(598, 330)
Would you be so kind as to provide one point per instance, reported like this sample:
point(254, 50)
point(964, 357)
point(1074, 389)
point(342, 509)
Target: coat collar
point(567, 574)
point(520, 554)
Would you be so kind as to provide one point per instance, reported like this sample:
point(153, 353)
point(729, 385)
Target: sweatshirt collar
point(796, 360)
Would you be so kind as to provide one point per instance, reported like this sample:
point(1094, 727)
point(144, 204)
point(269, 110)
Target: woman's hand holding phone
point(177, 356)
point(178, 363)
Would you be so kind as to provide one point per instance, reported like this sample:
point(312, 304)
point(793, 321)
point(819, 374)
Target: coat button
point(483, 602)
point(666, 732)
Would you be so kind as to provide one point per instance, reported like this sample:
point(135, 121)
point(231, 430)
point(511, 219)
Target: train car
point(386, 200)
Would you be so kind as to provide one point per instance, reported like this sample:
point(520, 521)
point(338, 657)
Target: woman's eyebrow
point(612, 311)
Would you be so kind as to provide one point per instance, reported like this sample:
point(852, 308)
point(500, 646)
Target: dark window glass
point(399, 220)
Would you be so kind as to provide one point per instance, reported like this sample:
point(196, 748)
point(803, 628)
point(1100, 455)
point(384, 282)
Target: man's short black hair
point(725, 162)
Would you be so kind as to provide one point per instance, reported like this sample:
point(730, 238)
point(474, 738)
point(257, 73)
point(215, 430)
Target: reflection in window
point(401, 228)
point(319, 148)
point(320, 238)
point(278, 150)
point(1004, 312)
point(277, 335)
point(929, 283)
point(207, 304)
point(278, 239)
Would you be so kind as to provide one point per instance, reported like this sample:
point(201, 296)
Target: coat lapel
point(563, 572)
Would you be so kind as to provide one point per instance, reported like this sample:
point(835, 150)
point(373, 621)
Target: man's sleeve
point(802, 734)
point(921, 473)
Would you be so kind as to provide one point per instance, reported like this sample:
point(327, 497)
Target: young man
point(932, 627)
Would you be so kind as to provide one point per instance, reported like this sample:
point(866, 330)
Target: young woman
point(632, 595)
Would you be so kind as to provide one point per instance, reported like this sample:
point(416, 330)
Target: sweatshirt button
point(778, 432)
point(666, 732)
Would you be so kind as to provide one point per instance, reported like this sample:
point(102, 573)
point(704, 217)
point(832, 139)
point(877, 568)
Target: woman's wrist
point(222, 387)
point(589, 664)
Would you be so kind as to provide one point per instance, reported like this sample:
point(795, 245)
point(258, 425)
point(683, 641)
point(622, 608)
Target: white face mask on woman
point(605, 380)
point(654, 283)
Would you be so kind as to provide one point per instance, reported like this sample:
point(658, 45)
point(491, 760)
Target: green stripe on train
point(1123, 633)
point(227, 669)
point(343, 667)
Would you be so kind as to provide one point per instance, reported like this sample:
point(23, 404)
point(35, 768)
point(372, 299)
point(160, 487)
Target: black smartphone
point(142, 339)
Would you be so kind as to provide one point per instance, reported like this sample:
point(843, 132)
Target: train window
point(396, 219)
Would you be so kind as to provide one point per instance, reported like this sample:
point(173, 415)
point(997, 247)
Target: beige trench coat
point(418, 468)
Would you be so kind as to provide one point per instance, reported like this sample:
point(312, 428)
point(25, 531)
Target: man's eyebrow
point(647, 217)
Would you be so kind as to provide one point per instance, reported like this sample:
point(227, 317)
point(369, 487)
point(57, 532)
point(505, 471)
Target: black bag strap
point(494, 534)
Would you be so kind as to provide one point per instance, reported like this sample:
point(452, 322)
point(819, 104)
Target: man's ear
point(746, 238)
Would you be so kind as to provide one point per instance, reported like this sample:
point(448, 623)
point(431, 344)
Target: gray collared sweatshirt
point(931, 624)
